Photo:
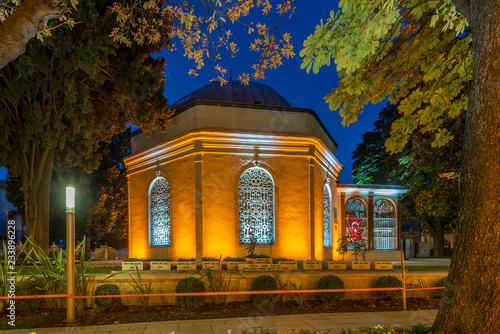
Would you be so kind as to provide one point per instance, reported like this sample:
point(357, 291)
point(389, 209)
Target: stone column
point(311, 207)
point(342, 214)
point(370, 221)
point(398, 224)
point(199, 205)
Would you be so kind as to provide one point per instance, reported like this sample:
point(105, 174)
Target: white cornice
point(223, 142)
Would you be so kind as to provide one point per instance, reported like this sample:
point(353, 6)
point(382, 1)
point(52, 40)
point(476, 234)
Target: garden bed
point(137, 314)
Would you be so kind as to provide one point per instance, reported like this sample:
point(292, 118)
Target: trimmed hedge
point(264, 282)
point(389, 281)
point(107, 304)
point(190, 284)
point(330, 282)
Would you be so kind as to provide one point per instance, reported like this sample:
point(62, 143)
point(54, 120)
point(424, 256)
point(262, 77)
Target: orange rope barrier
point(218, 293)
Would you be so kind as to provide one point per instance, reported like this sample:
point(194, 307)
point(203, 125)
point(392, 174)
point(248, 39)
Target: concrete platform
point(285, 323)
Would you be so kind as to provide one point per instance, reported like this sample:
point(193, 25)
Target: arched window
point(327, 216)
point(256, 206)
point(356, 223)
point(384, 225)
point(159, 212)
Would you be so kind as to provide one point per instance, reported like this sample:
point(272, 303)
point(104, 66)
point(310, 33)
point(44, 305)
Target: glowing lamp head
point(70, 199)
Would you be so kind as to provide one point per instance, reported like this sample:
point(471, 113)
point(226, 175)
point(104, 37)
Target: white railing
point(384, 233)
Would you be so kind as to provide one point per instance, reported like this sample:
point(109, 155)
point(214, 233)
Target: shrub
point(235, 259)
point(190, 284)
point(182, 259)
point(442, 281)
point(27, 288)
point(389, 282)
point(258, 256)
point(107, 303)
point(330, 282)
point(264, 282)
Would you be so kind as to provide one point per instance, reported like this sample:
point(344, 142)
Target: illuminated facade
point(239, 165)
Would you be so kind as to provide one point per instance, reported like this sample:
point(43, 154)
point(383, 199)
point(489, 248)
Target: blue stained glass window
point(327, 216)
point(256, 206)
point(159, 212)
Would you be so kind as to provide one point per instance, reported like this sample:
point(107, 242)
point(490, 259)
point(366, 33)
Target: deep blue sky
point(295, 85)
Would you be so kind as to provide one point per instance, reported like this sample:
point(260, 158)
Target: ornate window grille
point(256, 206)
point(327, 216)
point(384, 229)
point(356, 223)
point(159, 212)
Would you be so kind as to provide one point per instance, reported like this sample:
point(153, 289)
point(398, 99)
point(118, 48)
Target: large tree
point(385, 49)
point(66, 94)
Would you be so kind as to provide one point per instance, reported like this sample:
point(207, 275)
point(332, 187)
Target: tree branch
point(23, 25)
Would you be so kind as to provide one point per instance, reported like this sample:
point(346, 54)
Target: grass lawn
point(424, 268)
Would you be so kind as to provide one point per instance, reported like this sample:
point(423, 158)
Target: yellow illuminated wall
point(221, 167)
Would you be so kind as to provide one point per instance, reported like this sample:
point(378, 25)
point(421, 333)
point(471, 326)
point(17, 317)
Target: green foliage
point(234, 259)
point(389, 281)
point(50, 271)
point(206, 259)
point(190, 284)
point(162, 260)
point(27, 288)
point(138, 287)
point(215, 281)
point(83, 276)
point(258, 256)
point(107, 304)
point(133, 259)
point(417, 53)
point(7, 264)
point(358, 247)
point(182, 259)
point(264, 282)
point(330, 282)
point(342, 246)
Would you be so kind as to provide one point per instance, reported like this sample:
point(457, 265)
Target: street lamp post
point(70, 251)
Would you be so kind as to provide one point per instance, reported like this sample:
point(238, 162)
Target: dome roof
point(234, 91)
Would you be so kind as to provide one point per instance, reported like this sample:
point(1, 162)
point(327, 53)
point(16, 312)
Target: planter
point(263, 261)
point(188, 265)
point(161, 265)
point(361, 265)
point(233, 265)
point(383, 265)
point(337, 265)
point(312, 265)
point(131, 265)
point(288, 265)
point(212, 265)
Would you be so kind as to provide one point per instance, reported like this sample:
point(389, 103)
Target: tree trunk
point(36, 187)
point(471, 302)
point(437, 237)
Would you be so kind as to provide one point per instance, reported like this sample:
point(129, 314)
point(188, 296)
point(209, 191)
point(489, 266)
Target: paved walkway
point(285, 323)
